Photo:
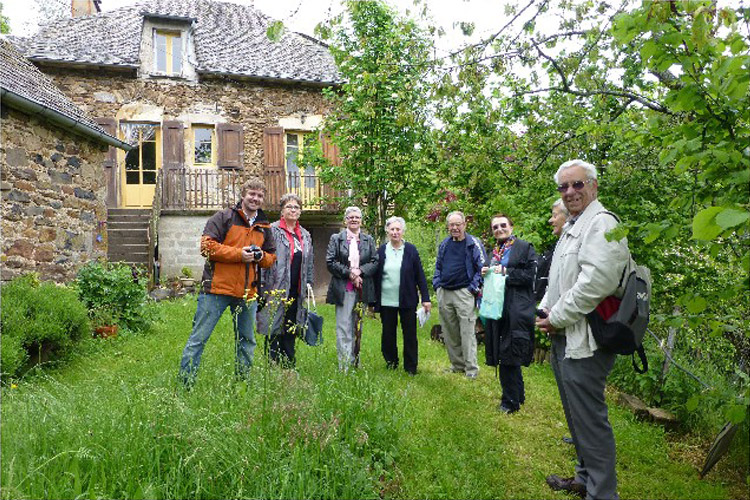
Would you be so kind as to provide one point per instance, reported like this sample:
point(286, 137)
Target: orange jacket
point(226, 233)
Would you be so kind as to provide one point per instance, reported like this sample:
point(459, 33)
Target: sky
point(303, 15)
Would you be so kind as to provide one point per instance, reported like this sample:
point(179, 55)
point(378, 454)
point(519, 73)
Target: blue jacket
point(412, 277)
point(475, 260)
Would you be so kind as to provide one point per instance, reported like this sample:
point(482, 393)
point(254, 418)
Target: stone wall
point(53, 212)
point(222, 100)
point(180, 244)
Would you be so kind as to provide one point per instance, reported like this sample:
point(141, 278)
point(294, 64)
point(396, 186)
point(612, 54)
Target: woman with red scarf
point(509, 340)
point(285, 283)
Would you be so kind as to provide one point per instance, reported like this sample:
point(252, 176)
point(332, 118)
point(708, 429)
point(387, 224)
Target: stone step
point(129, 257)
point(128, 212)
point(127, 237)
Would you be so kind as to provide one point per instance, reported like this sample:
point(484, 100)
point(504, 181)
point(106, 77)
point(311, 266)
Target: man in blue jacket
point(457, 281)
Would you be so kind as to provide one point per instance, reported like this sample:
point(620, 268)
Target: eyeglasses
point(501, 225)
point(353, 217)
point(577, 185)
point(292, 207)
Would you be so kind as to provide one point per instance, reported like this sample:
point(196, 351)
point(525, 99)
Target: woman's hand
point(484, 270)
point(501, 270)
point(427, 306)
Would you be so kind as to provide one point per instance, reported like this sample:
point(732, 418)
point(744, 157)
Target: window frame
point(214, 140)
point(170, 35)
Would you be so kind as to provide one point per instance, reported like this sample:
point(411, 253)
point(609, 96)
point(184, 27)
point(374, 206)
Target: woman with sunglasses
point(509, 340)
point(352, 260)
point(285, 283)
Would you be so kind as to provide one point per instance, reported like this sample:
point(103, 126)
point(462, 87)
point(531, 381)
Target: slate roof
point(20, 77)
point(228, 39)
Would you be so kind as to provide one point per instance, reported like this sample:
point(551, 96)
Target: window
point(141, 161)
point(204, 143)
point(294, 147)
point(168, 52)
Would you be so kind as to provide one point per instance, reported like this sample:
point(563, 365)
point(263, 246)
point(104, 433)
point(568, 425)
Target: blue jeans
point(210, 309)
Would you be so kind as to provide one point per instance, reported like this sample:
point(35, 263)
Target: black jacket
point(412, 276)
point(542, 273)
point(337, 261)
point(510, 340)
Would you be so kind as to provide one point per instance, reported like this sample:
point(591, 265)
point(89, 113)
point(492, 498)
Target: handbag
point(493, 296)
point(314, 324)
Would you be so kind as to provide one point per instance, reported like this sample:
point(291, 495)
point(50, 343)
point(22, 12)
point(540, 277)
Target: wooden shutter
point(273, 164)
point(110, 162)
point(331, 152)
point(173, 138)
point(231, 145)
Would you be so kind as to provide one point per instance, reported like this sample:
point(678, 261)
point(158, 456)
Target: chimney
point(80, 8)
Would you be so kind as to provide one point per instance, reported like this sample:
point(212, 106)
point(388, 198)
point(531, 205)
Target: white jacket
point(585, 269)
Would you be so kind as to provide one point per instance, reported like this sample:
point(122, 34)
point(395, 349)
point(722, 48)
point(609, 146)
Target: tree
point(4, 21)
point(379, 112)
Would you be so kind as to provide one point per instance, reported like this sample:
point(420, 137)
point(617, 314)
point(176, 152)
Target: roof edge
point(71, 124)
point(270, 79)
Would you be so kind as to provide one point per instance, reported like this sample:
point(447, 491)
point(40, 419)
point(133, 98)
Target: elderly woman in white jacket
point(287, 279)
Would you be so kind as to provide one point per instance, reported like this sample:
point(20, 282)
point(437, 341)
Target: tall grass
point(116, 424)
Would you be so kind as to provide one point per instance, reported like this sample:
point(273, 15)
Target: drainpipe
point(71, 124)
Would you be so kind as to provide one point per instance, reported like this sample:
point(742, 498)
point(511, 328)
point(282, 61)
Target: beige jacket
point(585, 269)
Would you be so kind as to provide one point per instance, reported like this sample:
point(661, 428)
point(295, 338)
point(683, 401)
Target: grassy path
point(115, 424)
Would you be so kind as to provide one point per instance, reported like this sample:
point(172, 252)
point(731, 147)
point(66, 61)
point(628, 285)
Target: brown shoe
point(568, 484)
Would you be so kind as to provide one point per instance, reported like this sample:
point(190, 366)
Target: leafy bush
point(115, 287)
point(39, 316)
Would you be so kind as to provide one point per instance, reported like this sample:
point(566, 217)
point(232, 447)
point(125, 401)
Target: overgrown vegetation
point(40, 321)
point(117, 289)
point(118, 425)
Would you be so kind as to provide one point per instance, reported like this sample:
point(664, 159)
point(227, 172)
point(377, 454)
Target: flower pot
point(187, 282)
point(106, 332)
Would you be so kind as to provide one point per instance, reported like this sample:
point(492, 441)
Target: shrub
point(39, 317)
point(115, 287)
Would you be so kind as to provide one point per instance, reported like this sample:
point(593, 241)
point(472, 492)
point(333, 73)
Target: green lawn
point(115, 424)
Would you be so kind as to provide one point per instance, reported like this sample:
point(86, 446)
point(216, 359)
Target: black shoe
point(568, 484)
point(567, 440)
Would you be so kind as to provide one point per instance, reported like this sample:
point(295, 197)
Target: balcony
point(213, 189)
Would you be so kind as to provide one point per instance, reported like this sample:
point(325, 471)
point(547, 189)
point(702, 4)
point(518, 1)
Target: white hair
point(350, 210)
point(393, 219)
point(559, 204)
point(456, 212)
point(588, 167)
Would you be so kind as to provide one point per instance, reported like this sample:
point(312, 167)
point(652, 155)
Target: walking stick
point(358, 316)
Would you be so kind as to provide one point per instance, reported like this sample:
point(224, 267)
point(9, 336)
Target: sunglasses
point(577, 185)
point(501, 225)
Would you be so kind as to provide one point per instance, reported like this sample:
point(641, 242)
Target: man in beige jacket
point(585, 269)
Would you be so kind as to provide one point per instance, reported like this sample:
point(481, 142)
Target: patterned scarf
point(499, 251)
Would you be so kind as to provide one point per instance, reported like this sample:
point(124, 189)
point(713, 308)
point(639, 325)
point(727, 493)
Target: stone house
point(208, 100)
point(53, 194)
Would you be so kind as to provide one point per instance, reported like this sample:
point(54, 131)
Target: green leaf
point(696, 305)
point(617, 233)
point(275, 30)
point(737, 414)
point(731, 217)
point(704, 225)
point(692, 403)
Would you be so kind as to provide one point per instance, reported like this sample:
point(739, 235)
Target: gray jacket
point(337, 261)
point(278, 277)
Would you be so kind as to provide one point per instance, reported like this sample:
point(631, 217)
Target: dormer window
point(168, 52)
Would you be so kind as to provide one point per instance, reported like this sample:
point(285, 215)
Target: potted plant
point(187, 279)
point(104, 320)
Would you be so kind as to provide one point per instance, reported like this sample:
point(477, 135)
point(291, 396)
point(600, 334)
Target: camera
point(257, 252)
point(541, 313)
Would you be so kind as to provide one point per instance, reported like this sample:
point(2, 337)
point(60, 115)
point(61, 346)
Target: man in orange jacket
point(236, 242)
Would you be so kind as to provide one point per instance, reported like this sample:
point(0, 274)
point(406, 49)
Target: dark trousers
point(389, 318)
point(511, 380)
point(282, 343)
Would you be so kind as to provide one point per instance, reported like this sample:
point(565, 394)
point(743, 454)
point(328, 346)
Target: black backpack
point(619, 324)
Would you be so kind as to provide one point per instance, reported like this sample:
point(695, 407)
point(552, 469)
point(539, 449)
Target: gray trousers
point(345, 323)
point(581, 384)
point(458, 319)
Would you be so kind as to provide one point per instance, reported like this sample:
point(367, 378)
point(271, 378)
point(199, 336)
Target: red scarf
point(297, 231)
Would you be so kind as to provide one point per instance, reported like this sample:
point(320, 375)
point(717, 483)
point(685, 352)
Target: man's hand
point(427, 306)
point(247, 255)
point(544, 325)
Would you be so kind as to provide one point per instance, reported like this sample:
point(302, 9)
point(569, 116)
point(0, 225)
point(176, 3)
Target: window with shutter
point(204, 146)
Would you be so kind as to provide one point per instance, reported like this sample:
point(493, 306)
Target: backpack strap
point(644, 360)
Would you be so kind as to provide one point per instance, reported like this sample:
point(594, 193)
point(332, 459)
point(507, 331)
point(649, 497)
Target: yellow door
point(140, 165)
point(302, 182)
